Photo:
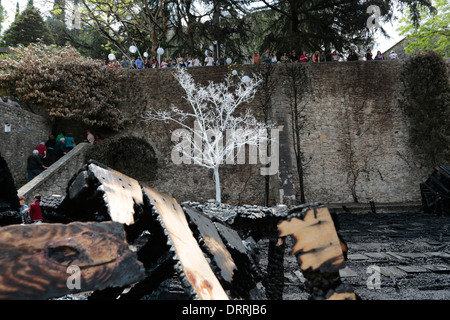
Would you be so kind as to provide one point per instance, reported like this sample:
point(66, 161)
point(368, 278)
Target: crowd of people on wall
point(48, 152)
point(266, 57)
point(167, 62)
point(319, 56)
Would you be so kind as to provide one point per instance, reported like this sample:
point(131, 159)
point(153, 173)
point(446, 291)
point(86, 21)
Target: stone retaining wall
point(27, 131)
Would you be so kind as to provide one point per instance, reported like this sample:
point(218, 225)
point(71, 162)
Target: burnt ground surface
point(411, 250)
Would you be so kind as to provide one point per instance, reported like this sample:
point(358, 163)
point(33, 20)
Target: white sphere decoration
point(229, 61)
point(133, 49)
point(245, 79)
point(211, 48)
point(234, 72)
point(160, 51)
point(146, 54)
point(111, 56)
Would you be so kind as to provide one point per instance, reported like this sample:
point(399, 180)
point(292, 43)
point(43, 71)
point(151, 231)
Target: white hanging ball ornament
point(160, 51)
point(111, 56)
point(245, 79)
point(229, 61)
point(211, 48)
point(145, 54)
point(133, 49)
point(234, 72)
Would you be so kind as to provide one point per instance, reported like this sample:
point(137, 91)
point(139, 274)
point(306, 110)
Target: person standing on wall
point(256, 58)
point(70, 142)
point(50, 144)
point(90, 137)
point(60, 149)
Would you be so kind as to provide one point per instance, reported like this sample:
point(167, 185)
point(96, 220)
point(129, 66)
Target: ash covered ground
point(411, 250)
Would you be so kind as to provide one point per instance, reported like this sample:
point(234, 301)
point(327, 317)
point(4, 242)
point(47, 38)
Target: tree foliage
point(2, 15)
point(64, 83)
point(28, 27)
point(433, 33)
point(427, 102)
point(127, 22)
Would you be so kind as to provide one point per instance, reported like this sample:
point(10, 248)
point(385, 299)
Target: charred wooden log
point(274, 281)
point(435, 192)
point(9, 203)
point(231, 261)
point(318, 250)
point(254, 222)
point(41, 268)
point(192, 266)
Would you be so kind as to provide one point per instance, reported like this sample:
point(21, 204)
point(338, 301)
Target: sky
point(382, 43)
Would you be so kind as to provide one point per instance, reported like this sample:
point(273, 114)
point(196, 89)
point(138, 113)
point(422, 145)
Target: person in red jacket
point(35, 210)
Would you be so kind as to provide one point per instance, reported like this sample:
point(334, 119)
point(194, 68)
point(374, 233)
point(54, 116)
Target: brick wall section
point(27, 131)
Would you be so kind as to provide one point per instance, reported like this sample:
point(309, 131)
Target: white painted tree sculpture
point(213, 116)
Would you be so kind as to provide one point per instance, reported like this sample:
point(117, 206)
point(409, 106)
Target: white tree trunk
point(217, 180)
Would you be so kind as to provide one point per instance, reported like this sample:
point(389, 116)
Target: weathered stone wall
point(354, 141)
point(356, 135)
point(27, 131)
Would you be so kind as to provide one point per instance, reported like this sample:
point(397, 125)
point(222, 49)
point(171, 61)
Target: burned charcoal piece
point(50, 210)
point(247, 273)
point(212, 243)
point(318, 249)
point(435, 192)
point(9, 217)
point(191, 265)
point(8, 192)
point(274, 281)
point(79, 187)
point(98, 249)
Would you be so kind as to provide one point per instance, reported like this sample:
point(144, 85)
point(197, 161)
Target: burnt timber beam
point(192, 266)
point(9, 203)
point(319, 252)
point(35, 260)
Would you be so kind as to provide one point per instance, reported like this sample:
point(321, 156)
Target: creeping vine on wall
point(426, 100)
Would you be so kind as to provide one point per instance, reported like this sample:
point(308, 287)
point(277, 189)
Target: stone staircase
point(53, 181)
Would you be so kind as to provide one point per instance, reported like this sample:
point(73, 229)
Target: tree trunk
point(217, 180)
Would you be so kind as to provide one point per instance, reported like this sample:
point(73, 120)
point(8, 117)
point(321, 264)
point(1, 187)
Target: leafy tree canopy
point(432, 34)
point(2, 15)
point(28, 27)
point(64, 83)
